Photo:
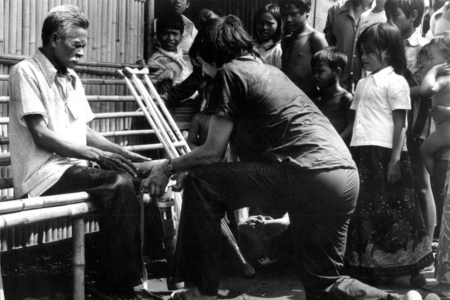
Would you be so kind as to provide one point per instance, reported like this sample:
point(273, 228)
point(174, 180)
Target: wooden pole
point(78, 259)
point(2, 26)
point(7, 25)
point(32, 43)
point(120, 41)
point(51, 4)
point(2, 294)
point(3, 107)
point(13, 26)
point(149, 20)
point(112, 58)
point(19, 28)
point(103, 57)
point(26, 27)
point(96, 10)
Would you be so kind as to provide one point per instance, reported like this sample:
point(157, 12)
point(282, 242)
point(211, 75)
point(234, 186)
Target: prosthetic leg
point(175, 145)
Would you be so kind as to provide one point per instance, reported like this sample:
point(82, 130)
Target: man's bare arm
point(52, 142)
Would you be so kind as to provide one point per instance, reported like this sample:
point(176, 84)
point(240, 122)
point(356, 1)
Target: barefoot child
point(328, 66)
point(437, 84)
point(301, 44)
point(267, 33)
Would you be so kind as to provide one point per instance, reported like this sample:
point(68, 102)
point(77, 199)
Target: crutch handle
point(130, 71)
point(120, 73)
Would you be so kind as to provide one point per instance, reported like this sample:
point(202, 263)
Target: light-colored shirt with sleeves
point(376, 97)
point(35, 89)
point(412, 48)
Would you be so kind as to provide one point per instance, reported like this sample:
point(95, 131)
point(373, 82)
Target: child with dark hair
point(267, 32)
point(334, 101)
point(168, 57)
point(189, 32)
point(211, 11)
point(387, 236)
point(301, 43)
point(407, 16)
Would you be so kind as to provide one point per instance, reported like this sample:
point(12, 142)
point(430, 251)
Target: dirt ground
point(46, 275)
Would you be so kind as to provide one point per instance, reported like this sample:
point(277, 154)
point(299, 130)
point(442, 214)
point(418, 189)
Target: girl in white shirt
point(387, 236)
point(267, 33)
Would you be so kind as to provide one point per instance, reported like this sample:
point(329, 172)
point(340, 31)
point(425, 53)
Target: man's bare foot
point(191, 294)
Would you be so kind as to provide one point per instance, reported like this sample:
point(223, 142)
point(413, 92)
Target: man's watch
point(170, 167)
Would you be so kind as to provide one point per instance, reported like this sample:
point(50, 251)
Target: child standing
point(189, 30)
point(437, 84)
point(169, 57)
point(267, 32)
point(328, 66)
point(301, 44)
point(387, 237)
point(407, 16)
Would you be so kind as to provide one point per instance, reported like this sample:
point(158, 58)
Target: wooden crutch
point(159, 116)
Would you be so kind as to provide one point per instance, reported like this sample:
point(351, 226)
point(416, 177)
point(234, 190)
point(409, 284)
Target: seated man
point(50, 143)
point(169, 57)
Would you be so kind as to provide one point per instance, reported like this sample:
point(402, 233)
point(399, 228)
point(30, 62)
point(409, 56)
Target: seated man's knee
point(121, 181)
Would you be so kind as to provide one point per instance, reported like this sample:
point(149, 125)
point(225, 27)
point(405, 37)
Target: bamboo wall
point(115, 34)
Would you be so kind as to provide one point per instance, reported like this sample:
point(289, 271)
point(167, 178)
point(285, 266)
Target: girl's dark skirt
point(387, 236)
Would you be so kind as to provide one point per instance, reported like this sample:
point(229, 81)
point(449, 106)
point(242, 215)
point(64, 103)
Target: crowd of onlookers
point(380, 73)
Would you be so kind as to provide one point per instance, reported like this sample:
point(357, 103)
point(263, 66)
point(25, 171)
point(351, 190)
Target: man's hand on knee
point(112, 161)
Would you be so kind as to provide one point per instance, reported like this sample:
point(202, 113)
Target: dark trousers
point(120, 234)
point(319, 203)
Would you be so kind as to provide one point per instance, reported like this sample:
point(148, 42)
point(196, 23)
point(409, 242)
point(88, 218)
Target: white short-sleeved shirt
point(413, 45)
point(271, 54)
point(35, 89)
point(375, 98)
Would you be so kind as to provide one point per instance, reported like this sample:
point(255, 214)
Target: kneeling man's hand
point(157, 182)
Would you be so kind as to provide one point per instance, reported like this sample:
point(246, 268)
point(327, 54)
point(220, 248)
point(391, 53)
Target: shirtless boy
point(328, 66)
point(300, 44)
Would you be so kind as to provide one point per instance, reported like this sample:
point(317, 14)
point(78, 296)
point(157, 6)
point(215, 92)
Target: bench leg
point(78, 260)
point(2, 293)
